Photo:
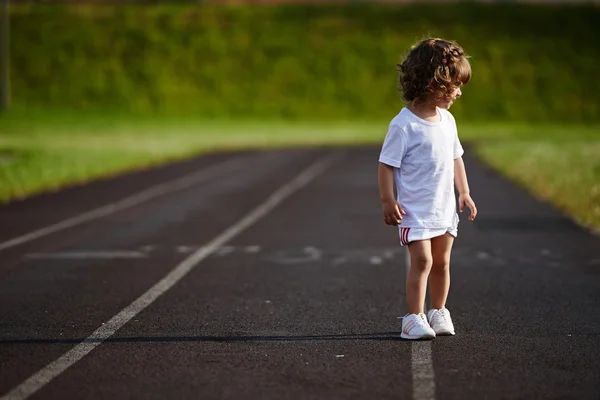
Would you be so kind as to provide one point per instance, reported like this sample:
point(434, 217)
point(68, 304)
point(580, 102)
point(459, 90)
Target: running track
point(270, 275)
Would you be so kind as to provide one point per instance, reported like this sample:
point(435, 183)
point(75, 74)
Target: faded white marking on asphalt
point(52, 370)
point(305, 255)
point(223, 251)
point(375, 260)
point(88, 255)
point(252, 249)
point(185, 249)
point(128, 202)
point(309, 254)
point(423, 376)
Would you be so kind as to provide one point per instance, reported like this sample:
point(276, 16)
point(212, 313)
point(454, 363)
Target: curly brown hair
point(432, 70)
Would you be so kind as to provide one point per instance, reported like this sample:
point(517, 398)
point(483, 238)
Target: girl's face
point(447, 102)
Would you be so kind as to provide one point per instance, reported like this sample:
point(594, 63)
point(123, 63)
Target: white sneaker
point(415, 326)
point(441, 322)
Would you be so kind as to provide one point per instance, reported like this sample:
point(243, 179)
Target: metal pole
point(4, 54)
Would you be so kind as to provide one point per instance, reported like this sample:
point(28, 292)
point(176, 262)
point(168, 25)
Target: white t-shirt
point(422, 154)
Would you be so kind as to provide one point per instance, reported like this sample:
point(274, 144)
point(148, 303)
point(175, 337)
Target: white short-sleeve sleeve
point(394, 147)
point(458, 149)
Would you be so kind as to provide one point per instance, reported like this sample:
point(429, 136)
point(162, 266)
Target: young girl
point(422, 154)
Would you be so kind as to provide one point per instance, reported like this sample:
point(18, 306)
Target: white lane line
point(130, 201)
point(423, 376)
point(422, 371)
point(52, 370)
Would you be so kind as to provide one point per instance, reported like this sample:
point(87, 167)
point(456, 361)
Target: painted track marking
point(423, 376)
point(58, 366)
point(130, 201)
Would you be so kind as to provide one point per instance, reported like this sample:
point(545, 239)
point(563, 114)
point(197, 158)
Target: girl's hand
point(392, 212)
point(466, 200)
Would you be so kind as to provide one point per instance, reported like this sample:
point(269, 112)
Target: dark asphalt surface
point(304, 303)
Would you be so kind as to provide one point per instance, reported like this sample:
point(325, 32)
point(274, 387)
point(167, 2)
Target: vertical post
point(4, 55)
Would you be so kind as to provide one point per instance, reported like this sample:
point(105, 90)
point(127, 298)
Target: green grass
point(557, 164)
point(564, 173)
point(49, 151)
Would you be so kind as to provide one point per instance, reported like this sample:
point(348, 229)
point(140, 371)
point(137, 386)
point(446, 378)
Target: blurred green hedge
point(530, 63)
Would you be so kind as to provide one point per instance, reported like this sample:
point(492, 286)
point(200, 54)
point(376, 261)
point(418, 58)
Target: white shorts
point(408, 235)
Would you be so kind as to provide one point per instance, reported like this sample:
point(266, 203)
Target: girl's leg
point(416, 280)
point(439, 279)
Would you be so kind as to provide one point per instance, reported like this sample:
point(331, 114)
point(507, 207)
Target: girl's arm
point(462, 185)
point(392, 212)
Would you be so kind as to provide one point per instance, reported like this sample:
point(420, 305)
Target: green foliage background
point(530, 63)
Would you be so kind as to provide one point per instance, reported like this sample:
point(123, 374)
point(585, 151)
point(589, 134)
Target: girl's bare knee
point(421, 262)
point(440, 267)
